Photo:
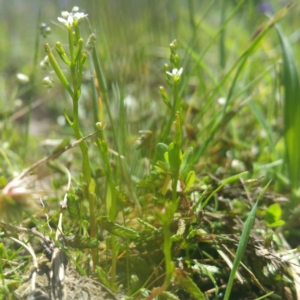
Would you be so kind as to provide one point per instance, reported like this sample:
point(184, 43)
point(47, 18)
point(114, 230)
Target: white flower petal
point(62, 20)
point(65, 14)
point(70, 19)
point(79, 15)
point(174, 72)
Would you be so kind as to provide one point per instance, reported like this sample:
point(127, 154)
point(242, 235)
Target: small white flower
point(64, 14)
point(222, 101)
point(69, 18)
point(175, 73)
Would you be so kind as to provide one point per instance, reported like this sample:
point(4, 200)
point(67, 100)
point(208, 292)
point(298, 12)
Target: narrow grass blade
point(222, 184)
point(243, 243)
point(291, 109)
point(238, 67)
point(265, 296)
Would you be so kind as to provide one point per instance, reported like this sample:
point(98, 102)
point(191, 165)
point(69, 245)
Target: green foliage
point(243, 243)
point(189, 285)
point(117, 230)
point(160, 222)
point(81, 242)
point(103, 278)
point(291, 110)
point(273, 216)
point(73, 207)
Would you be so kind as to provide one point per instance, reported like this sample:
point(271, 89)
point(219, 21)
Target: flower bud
point(165, 96)
point(45, 30)
point(47, 82)
point(44, 64)
point(91, 42)
point(21, 78)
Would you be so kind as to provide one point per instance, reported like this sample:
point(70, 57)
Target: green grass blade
point(264, 124)
point(291, 109)
point(238, 66)
point(243, 243)
point(222, 184)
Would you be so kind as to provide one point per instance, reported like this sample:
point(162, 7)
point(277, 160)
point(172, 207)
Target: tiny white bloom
point(180, 71)
point(175, 73)
point(64, 14)
point(69, 18)
point(78, 15)
point(222, 101)
point(22, 78)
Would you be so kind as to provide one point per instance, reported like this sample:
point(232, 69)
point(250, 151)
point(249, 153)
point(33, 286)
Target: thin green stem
point(71, 43)
point(111, 203)
point(85, 166)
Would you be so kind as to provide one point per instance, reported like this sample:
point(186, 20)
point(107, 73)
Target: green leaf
point(81, 242)
point(208, 270)
point(180, 230)
point(188, 285)
point(168, 296)
point(175, 157)
point(103, 277)
point(189, 180)
point(73, 207)
point(147, 225)
point(275, 224)
point(117, 229)
point(166, 157)
point(1, 250)
point(186, 161)
point(291, 109)
point(154, 179)
point(273, 213)
point(123, 197)
point(273, 216)
point(92, 186)
point(161, 149)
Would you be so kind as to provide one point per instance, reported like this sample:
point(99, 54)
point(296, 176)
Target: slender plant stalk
point(111, 203)
point(75, 63)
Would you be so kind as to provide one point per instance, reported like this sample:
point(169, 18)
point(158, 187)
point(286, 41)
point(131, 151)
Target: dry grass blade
point(53, 155)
